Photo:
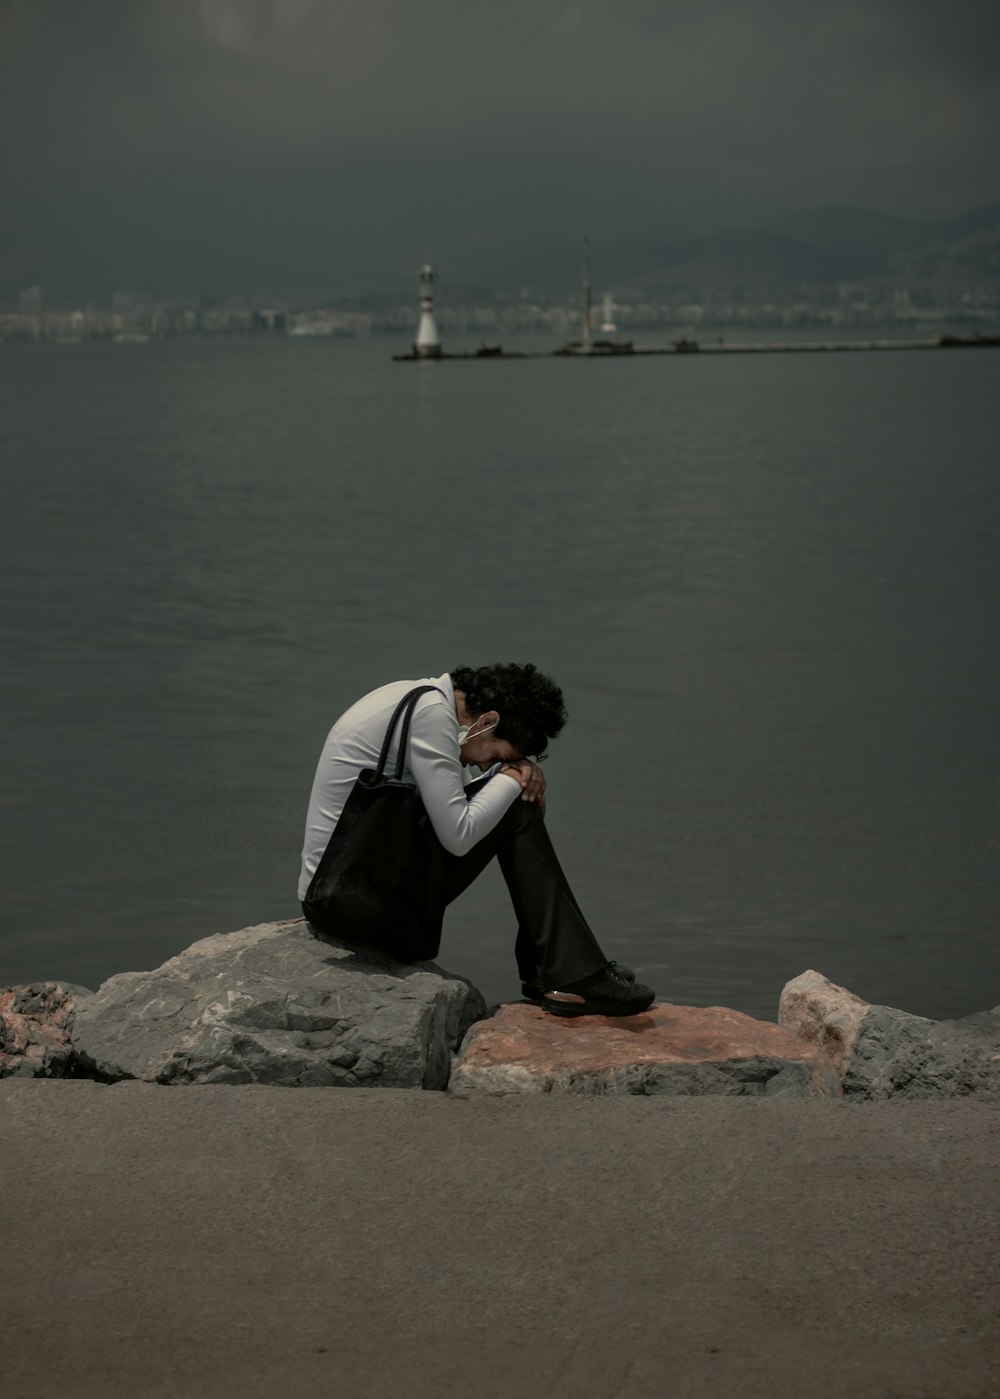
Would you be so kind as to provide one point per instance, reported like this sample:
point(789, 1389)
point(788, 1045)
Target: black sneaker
point(608, 992)
point(532, 991)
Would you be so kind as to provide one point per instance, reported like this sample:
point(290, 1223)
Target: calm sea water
point(767, 585)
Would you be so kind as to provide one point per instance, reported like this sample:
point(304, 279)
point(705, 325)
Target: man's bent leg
point(554, 941)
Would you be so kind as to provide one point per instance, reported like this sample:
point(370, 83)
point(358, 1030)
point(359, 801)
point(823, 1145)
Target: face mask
point(464, 735)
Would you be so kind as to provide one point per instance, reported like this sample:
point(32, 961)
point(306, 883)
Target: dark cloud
point(218, 128)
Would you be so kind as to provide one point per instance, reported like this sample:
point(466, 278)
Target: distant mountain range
point(812, 247)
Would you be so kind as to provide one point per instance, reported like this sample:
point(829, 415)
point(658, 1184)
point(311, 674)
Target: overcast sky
point(322, 145)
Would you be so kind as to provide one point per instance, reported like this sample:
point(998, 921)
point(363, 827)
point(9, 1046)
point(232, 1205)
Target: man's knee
point(524, 814)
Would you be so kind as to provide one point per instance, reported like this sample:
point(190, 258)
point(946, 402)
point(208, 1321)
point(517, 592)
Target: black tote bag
point(380, 881)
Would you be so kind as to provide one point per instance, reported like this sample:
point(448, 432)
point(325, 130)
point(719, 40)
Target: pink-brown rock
point(35, 1025)
point(823, 1014)
point(679, 1050)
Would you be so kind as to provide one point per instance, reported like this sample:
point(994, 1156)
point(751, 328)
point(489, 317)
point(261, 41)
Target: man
point(498, 719)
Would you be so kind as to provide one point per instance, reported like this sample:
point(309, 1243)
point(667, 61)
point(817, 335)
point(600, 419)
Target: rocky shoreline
point(275, 1004)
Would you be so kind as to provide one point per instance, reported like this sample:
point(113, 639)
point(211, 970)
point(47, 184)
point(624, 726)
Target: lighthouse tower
point(428, 344)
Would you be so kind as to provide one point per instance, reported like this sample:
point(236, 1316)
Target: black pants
point(554, 943)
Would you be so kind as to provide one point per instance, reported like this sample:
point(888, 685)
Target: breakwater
point(613, 349)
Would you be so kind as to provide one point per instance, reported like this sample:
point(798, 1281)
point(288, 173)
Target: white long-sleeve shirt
point(432, 763)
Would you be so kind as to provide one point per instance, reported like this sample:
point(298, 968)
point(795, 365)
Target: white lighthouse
point(428, 344)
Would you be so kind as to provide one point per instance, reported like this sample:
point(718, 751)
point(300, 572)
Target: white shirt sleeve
point(459, 821)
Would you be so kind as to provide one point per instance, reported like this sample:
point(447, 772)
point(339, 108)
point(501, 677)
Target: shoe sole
point(591, 1008)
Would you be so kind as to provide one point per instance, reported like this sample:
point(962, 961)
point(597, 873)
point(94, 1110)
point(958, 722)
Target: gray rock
point(904, 1056)
point(276, 1004)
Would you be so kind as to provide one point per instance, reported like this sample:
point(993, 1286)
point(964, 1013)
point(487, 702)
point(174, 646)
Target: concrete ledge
point(240, 1242)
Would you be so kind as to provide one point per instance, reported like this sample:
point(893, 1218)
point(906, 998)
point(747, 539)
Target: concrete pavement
point(208, 1242)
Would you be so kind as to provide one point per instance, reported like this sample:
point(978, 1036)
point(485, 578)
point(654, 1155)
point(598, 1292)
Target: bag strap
point(405, 707)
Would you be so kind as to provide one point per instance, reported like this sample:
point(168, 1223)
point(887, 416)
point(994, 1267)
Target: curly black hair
point(530, 705)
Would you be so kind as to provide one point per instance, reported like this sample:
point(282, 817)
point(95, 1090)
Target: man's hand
point(531, 778)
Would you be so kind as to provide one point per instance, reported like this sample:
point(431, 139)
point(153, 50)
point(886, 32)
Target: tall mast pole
point(586, 343)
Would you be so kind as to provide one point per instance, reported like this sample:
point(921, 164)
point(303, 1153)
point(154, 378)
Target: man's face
point(500, 751)
point(484, 750)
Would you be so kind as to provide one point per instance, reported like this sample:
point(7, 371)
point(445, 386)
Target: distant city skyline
point(302, 148)
point(813, 259)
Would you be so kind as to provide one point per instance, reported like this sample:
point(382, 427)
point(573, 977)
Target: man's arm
point(459, 820)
